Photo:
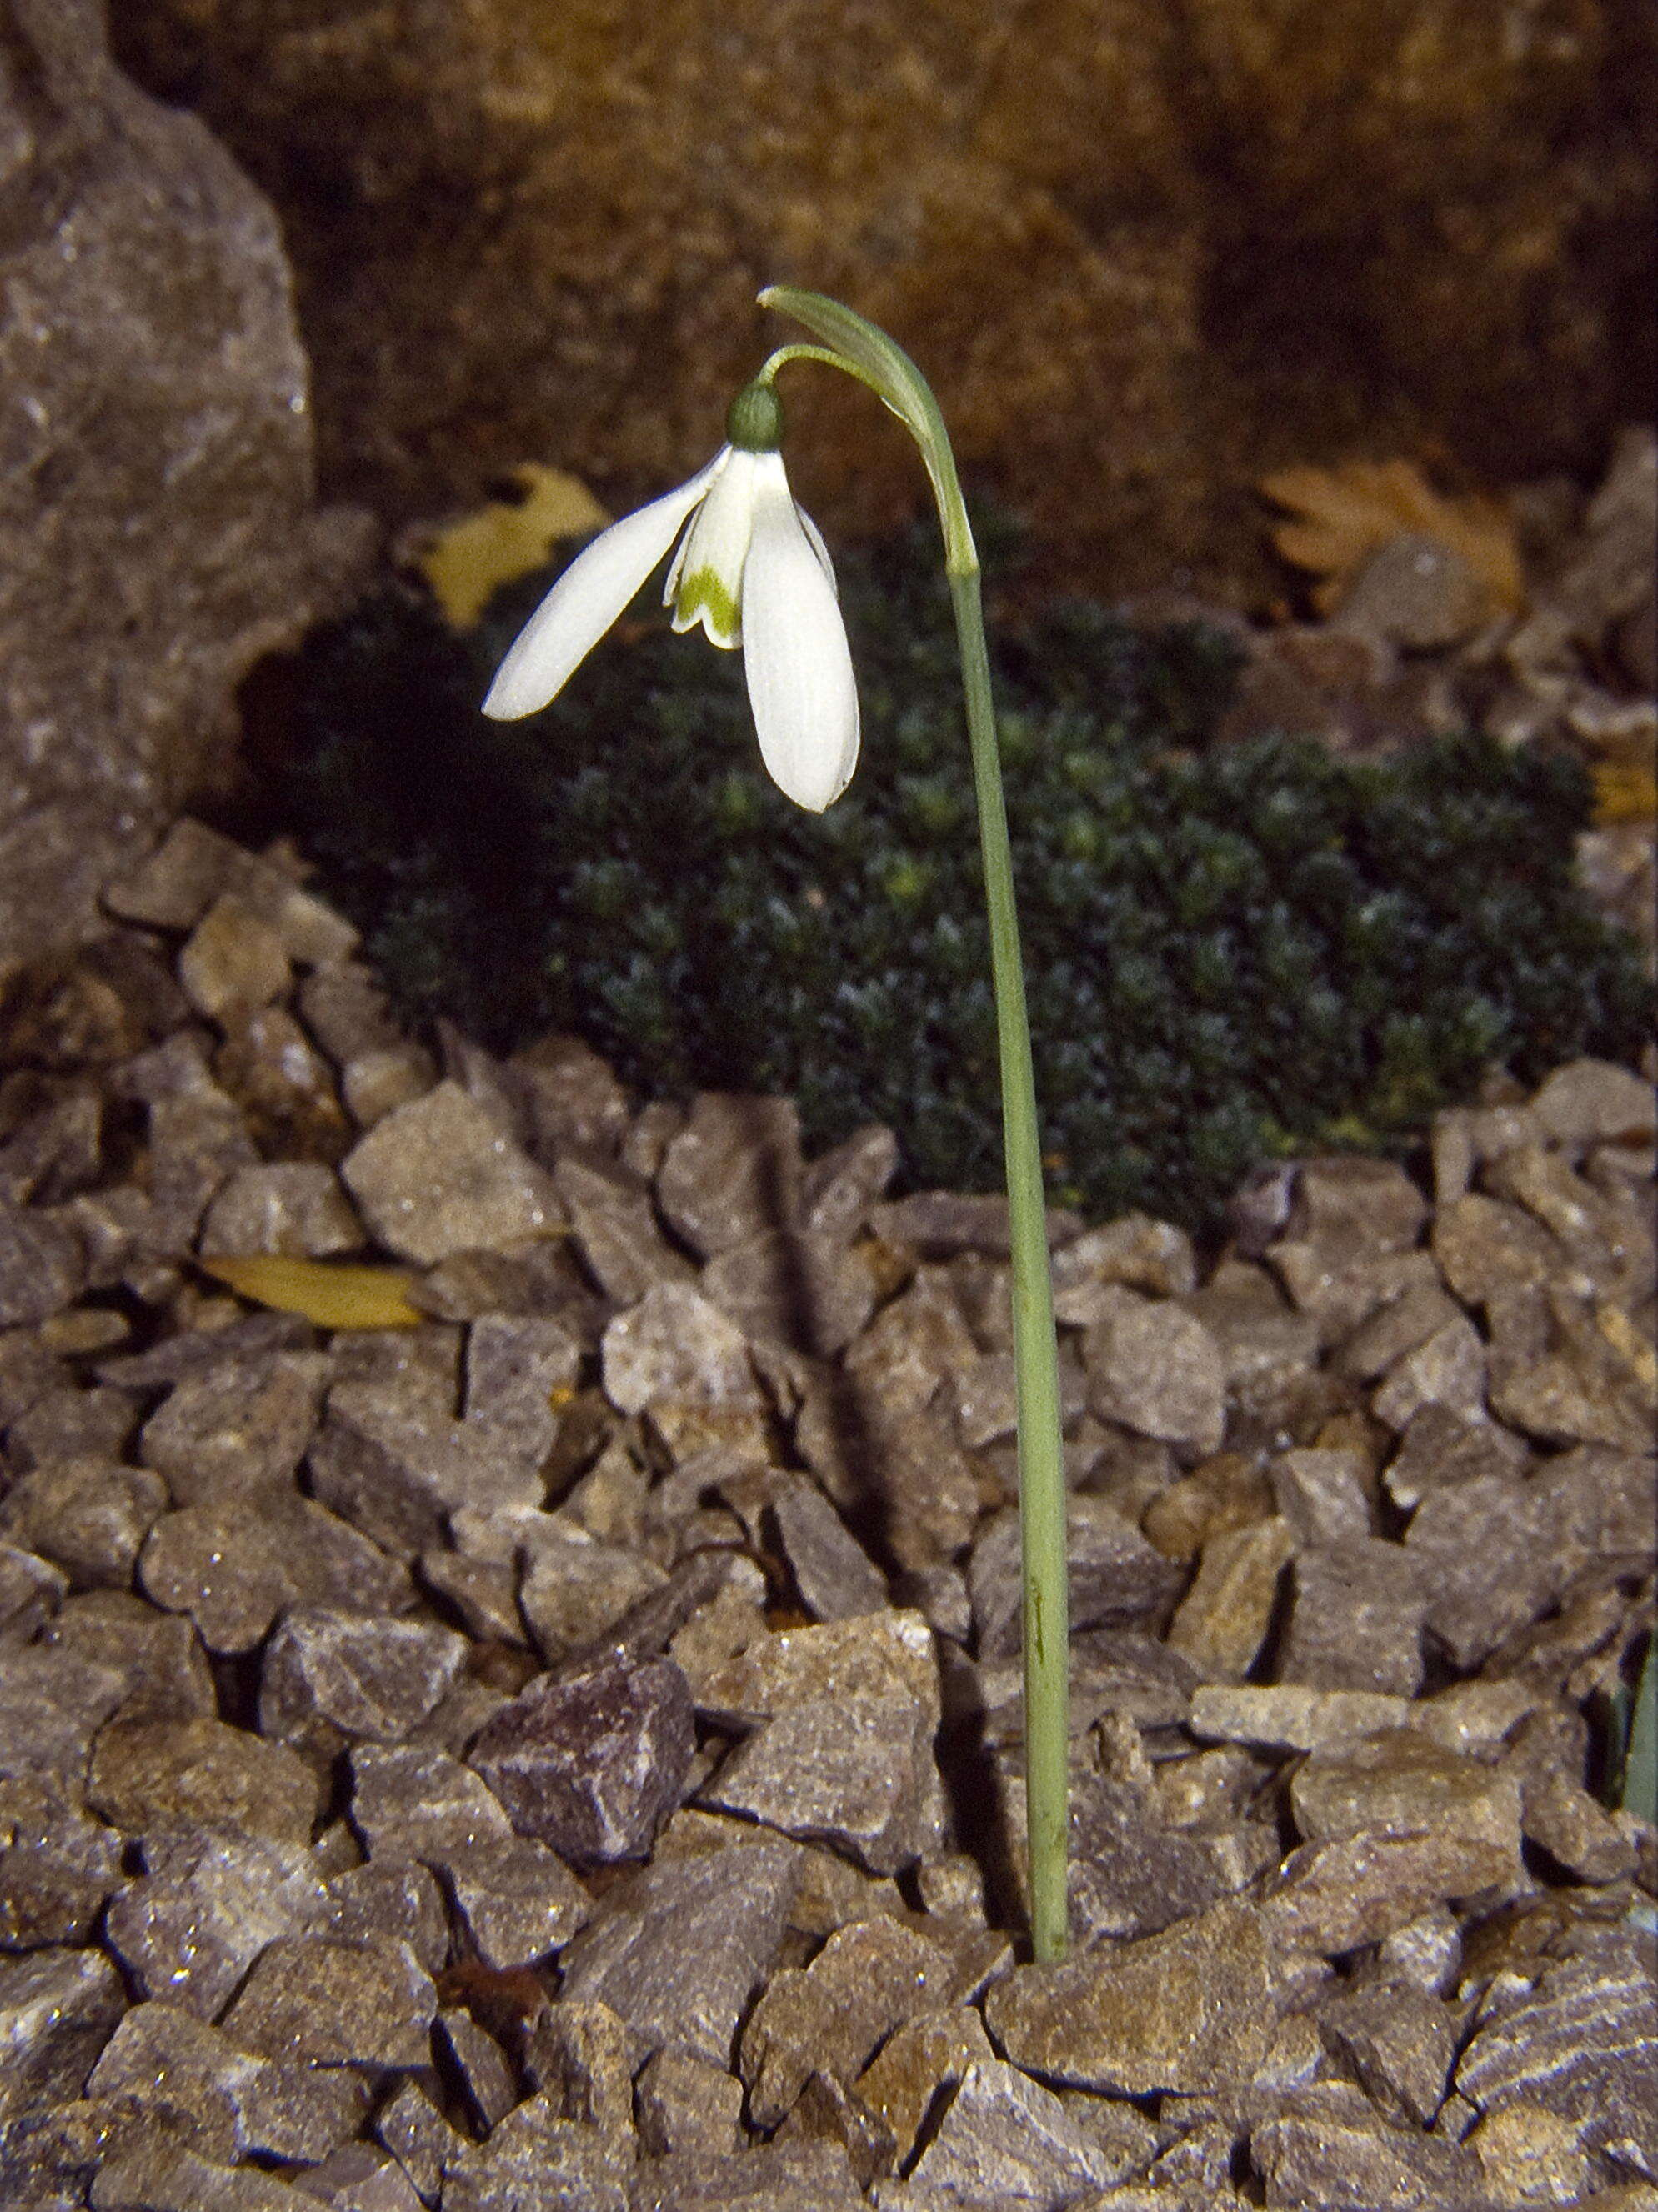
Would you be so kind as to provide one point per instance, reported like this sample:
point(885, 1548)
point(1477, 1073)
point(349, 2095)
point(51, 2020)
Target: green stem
point(869, 354)
point(1042, 1465)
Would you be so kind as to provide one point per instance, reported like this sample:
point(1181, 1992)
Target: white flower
point(752, 569)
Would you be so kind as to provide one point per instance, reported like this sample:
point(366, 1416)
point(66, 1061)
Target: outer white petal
point(795, 654)
point(705, 584)
point(587, 598)
point(814, 538)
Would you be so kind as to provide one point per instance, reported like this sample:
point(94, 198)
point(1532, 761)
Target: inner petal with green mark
point(704, 597)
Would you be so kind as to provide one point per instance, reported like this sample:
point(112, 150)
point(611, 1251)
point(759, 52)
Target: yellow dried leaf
point(470, 560)
point(1625, 791)
point(1345, 512)
point(331, 1294)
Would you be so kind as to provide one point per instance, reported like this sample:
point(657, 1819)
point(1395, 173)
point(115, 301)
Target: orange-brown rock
point(1146, 254)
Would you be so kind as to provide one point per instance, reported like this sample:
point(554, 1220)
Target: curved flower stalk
point(752, 569)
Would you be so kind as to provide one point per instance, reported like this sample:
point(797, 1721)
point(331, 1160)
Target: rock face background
point(157, 482)
point(1147, 253)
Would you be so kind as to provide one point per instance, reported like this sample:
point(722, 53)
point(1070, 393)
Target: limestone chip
point(398, 1899)
point(415, 1801)
point(1129, 1874)
point(869, 1979)
point(615, 1228)
point(52, 1704)
point(677, 1355)
point(574, 1592)
point(193, 866)
point(1579, 2042)
point(1222, 1621)
point(1189, 2011)
point(1331, 1896)
point(478, 2062)
point(858, 1775)
point(295, 1209)
point(1350, 2155)
point(826, 2112)
point(437, 1176)
point(161, 1666)
point(57, 1867)
point(57, 2007)
point(733, 1172)
point(419, 2138)
point(1116, 1579)
point(1529, 2154)
point(1448, 1369)
point(516, 1900)
point(318, 2000)
point(591, 1763)
point(207, 1904)
point(1285, 1717)
point(151, 1774)
point(896, 1467)
point(233, 961)
point(1158, 1370)
point(395, 1466)
point(678, 1951)
point(225, 1567)
point(41, 1266)
point(1355, 1206)
point(1004, 2139)
point(1442, 1446)
point(1398, 2038)
point(778, 2177)
point(163, 2059)
point(1323, 1495)
point(238, 1427)
point(1356, 1618)
point(1595, 1102)
point(833, 1574)
point(687, 2104)
point(888, 1657)
point(838, 1188)
point(329, 1676)
point(88, 1515)
point(158, 526)
point(794, 1287)
point(582, 2056)
point(928, 2052)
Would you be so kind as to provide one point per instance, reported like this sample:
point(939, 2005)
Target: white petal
point(814, 538)
point(796, 657)
point(706, 584)
point(718, 466)
point(587, 598)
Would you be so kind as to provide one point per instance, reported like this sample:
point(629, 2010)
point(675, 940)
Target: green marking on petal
point(703, 597)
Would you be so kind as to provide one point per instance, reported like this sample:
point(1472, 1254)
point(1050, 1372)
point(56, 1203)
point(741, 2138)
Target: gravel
point(565, 1752)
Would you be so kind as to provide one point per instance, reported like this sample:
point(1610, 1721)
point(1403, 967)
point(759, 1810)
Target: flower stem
point(1042, 1465)
point(864, 351)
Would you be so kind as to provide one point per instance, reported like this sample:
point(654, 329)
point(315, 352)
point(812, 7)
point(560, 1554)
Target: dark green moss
point(1232, 953)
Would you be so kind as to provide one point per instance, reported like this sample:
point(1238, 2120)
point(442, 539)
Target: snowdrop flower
point(753, 570)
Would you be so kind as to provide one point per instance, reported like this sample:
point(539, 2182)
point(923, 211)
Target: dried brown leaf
point(330, 1293)
point(1344, 513)
point(470, 561)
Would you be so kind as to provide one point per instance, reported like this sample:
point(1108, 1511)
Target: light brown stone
point(1223, 1618)
point(1189, 2011)
point(925, 2054)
